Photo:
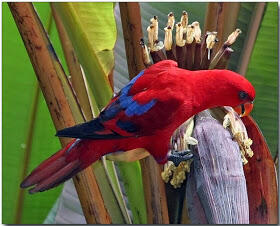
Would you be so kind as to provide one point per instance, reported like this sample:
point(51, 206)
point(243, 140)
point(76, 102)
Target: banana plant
point(88, 90)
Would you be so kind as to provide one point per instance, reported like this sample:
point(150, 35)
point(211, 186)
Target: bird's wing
point(140, 108)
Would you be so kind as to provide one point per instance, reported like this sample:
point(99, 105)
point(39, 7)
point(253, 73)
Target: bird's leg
point(179, 156)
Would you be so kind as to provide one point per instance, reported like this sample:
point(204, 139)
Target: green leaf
point(114, 181)
point(132, 179)
point(263, 73)
point(110, 200)
point(94, 47)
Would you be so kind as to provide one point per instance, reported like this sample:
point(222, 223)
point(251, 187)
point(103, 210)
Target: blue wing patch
point(125, 90)
point(138, 109)
point(126, 102)
point(131, 106)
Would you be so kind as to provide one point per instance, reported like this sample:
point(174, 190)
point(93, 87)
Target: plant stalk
point(60, 100)
point(154, 188)
point(28, 142)
point(132, 32)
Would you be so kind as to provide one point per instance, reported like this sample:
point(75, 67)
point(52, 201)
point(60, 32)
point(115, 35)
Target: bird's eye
point(243, 95)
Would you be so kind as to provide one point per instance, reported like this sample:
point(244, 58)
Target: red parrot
point(144, 114)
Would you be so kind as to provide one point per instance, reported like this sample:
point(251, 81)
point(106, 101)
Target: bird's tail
point(61, 166)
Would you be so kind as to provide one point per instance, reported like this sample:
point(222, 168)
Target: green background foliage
point(262, 72)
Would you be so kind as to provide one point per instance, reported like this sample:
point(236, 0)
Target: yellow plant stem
point(154, 189)
point(132, 32)
point(28, 142)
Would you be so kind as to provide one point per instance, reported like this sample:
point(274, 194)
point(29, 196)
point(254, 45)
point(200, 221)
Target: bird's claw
point(178, 156)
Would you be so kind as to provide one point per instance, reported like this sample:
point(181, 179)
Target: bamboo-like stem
point(132, 31)
point(73, 66)
point(27, 151)
point(154, 189)
point(58, 96)
point(251, 38)
point(28, 142)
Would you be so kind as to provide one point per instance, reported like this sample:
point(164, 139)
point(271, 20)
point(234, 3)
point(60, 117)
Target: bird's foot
point(179, 156)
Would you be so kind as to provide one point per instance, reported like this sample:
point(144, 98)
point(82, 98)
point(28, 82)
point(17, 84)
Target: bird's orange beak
point(244, 109)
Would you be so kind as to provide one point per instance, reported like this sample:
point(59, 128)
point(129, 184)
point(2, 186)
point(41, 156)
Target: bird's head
point(239, 93)
point(228, 88)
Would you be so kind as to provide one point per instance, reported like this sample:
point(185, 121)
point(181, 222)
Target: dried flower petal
point(168, 38)
point(171, 21)
point(179, 35)
point(151, 31)
point(197, 32)
point(190, 34)
point(154, 23)
point(211, 39)
point(184, 19)
point(145, 53)
point(232, 37)
point(239, 132)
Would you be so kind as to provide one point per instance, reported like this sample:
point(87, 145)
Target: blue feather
point(111, 111)
point(139, 109)
point(125, 101)
point(131, 106)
